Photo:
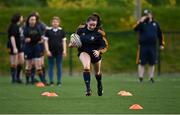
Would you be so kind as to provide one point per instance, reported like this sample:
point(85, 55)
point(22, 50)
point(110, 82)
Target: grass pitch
point(162, 97)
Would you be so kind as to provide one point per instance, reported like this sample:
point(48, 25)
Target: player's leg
point(13, 61)
point(50, 69)
point(33, 73)
point(98, 75)
point(42, 51)
point(38, 67)
point(152, 61)
point(43, 66)
point(85, 60)
point(59, 69)
point(151, 72)
point(141, 72)
point(28, 54)
point(20, 66)
point(141, 62)
point(38, 62)
point(28, 63)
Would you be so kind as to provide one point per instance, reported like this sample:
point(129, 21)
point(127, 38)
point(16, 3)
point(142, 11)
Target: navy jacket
point(149, 33)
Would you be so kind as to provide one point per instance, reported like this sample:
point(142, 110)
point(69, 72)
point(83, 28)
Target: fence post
point(137, 9)
point(70, 62)
point(159, 61)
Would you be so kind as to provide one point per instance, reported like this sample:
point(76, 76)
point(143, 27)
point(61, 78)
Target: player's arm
point(160, 37)
point(46, 45)
point(78, 32)
point(64, 45)
point(47, 48)
point(12, 38)
point(27, 39)
point(13, 42)
point(103, 45)
point(138, 24)
point(103, 42)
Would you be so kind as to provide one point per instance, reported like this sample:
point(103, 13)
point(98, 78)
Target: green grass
point(160, 97)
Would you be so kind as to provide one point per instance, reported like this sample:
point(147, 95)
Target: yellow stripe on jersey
point(137, 55)
point(81, 26)
point(105, 40)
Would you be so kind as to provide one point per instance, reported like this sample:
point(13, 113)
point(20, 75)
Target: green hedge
point(123, 45)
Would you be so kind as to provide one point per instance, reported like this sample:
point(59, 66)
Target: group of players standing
point(27, 41)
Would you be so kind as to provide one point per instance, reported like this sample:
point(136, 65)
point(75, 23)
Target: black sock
point(28, 75)
point(33, 72)
point(98, 79)
point(44, 73)
point(41, 76)
point(87, 79)
point(13, 74)
point(19, 68)
point(140, 79)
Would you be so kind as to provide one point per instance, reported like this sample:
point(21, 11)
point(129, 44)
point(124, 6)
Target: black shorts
point(93, 58)
point(42, 49)
point(10, 50)
point(147, 54)
point(32, 52)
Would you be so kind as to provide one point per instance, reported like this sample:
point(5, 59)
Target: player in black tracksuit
point(14, 45)
point(149, 33)
point(94, 44)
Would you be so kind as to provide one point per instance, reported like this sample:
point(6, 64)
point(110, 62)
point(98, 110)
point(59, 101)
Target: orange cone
point(135, 107)
point(52, 95)
point(121, 92)
point(49, 94)
point(124, 93)
point(40, 84)
point(45, 93)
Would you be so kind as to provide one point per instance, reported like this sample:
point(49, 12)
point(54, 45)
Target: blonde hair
point(56, 18)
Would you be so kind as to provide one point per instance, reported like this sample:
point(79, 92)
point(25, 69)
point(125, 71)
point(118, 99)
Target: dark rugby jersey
point(149, 33)
point(34, 33)
point(14, 30)
point(91, 40)
point(42, 26)
point(55, 40)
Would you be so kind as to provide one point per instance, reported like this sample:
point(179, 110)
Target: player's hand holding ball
point(75, 40)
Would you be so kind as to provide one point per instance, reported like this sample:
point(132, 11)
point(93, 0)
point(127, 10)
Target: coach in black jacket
point(149, 33)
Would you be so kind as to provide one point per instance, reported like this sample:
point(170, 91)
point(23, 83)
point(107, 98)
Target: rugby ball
point(75, 40)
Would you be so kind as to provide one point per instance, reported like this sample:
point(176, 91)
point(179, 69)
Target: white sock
point(141, 71)
point(151, 71)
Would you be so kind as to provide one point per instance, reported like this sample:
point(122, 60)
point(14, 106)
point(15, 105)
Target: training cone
point(135, 107)
point(45, 93)
point(124, 93)
point(49, 94)
point(52, 95)
point(40, 84)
